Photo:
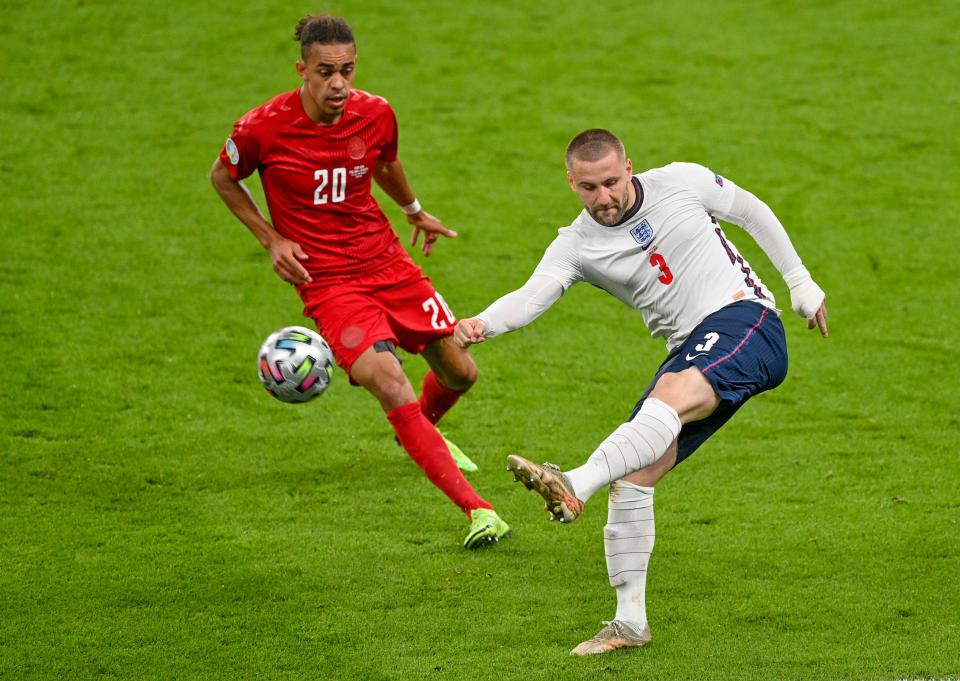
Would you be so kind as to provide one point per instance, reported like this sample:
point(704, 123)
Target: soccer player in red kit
point(317, 149)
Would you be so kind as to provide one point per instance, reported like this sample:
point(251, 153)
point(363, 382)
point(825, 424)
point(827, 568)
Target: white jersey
point(668, 258)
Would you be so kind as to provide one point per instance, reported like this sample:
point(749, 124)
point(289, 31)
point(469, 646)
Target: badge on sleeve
point(232, 152)
point(642, 233)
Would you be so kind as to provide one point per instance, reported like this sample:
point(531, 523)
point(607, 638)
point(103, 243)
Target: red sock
point(428, 450)
point(436, 398)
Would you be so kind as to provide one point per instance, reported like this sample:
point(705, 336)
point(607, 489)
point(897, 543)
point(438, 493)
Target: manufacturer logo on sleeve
point(642, 233)
point(232, 152)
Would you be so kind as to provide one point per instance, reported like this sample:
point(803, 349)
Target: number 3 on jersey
point(434, 305)
point(656, 260)
point(338, 188)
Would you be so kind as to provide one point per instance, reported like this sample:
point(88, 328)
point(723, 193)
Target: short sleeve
point(716, 193)
point(391, 134)
point(561, 260)
point(241, 152)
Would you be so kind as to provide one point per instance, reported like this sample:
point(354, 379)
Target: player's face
point(327, 73)
point(603, 186)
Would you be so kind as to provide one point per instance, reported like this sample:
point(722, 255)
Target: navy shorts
point(742, 350)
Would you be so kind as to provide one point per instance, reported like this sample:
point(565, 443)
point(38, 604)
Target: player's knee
point(467, 376)
point(391, 388)
point(459, 375)
point(670, 383)
point(688, 392)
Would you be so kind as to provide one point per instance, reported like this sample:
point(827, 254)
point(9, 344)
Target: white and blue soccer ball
point(295, 364)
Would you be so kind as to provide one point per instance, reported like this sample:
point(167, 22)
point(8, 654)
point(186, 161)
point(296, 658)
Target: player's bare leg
point(452, 364)
point(452, 373)
point(378, 370)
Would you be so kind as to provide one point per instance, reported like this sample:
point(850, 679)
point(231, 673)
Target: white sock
point(634, 445)
point(628, 541)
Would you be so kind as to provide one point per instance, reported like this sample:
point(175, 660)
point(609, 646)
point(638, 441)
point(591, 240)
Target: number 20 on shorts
point(434, 305)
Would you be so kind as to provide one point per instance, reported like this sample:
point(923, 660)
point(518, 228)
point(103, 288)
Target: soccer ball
point(295, 364)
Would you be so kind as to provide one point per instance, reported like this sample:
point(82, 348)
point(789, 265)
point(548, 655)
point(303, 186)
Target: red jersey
point(316, 179)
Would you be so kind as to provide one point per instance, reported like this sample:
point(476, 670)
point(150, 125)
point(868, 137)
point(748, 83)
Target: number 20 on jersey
point(332, 187)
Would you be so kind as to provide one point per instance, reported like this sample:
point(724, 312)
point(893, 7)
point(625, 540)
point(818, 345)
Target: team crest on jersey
point(642, 233)
point(718, 180)
point(232, 152)
point(356, 148)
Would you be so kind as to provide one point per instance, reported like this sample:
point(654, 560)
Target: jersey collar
point(635, 208)
point(312, 123)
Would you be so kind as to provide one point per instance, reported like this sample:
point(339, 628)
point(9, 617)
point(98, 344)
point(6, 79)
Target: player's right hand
point(286, 256)
point(469, 332)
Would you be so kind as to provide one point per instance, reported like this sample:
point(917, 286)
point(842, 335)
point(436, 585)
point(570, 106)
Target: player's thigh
point(688, 392)
point(378, 370)
point(452, 364)
point(350, 320)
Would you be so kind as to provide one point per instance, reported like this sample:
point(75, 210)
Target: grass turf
point(161, 517)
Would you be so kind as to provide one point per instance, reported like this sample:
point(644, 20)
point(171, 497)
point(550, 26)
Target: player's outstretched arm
point(285, 254)
point(393, 180)
point(510, 312)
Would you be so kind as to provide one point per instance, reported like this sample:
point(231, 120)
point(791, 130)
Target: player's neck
point(315, 114)
point(632, 197)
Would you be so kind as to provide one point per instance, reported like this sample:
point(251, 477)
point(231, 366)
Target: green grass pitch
point(162, 517)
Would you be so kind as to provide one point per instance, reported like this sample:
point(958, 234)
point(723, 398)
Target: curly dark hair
point(325, 29)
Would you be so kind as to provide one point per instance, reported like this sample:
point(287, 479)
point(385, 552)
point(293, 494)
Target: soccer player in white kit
point(653, 241)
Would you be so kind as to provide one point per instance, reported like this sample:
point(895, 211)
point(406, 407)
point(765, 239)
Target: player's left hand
point(820, 319)
point(432, 229)
point(808, 300)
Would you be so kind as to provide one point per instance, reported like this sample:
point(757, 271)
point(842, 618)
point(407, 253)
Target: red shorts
point(397, 304)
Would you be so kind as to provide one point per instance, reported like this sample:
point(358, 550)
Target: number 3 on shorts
point(433, 306)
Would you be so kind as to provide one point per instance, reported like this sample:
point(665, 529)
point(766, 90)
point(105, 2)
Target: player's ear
point(301, 68)
point(570, 181)
point(629, 167)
